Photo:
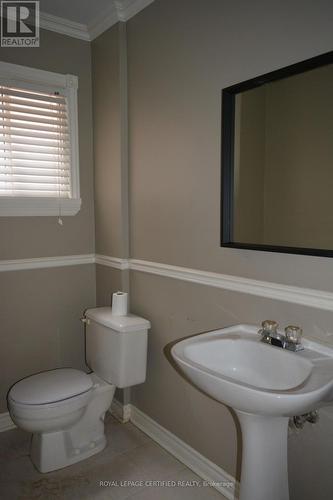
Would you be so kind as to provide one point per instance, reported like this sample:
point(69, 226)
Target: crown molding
point(64, 26)
point(103, 21)
point(129, 8)
point(118, 10)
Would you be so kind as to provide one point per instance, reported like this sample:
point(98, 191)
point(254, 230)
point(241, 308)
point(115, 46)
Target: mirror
point(277, 160)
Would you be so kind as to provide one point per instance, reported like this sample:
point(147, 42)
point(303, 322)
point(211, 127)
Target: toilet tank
point(116, 346)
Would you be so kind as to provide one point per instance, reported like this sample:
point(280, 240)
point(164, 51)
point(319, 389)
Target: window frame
point(46, 81)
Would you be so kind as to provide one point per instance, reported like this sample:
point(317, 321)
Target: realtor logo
point(19, 24)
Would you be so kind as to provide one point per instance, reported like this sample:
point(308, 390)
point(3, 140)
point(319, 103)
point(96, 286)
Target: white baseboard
point(120, 412)
point(6, 422)
point(203, 467)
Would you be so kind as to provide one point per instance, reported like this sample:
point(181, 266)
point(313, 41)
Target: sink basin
point(265, 385)
point(234, 367)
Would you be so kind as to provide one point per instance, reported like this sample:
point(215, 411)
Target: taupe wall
point(181, 53)
point(40, 309)
point(178, 309)
point(110, 141)
point(106, 98)
point(108, 281)
point(40, 321)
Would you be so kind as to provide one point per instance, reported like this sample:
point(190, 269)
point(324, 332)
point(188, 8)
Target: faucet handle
point(293, 334)
point(269, 326)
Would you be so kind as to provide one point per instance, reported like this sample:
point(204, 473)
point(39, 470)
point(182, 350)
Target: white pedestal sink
point(265, 385)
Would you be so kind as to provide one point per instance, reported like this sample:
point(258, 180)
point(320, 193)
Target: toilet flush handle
point(85, 320)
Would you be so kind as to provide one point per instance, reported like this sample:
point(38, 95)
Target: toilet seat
point(49, 400)
point(48, 411)
point(50, 388)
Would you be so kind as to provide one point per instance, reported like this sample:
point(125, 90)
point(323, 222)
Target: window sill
point(21, 207)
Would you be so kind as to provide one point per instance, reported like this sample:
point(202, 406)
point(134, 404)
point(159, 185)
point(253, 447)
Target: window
point(39, 163)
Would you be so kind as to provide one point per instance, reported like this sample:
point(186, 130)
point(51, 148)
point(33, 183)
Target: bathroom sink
point(234, 367)
point(265, 385)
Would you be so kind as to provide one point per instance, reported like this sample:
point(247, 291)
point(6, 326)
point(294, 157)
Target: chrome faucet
point(290, 340)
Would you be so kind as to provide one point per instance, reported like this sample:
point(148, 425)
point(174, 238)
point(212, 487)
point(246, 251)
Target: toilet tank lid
point(128, 323)
point(50, 386)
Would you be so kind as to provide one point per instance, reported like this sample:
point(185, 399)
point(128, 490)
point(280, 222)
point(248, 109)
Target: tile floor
point(129, 456)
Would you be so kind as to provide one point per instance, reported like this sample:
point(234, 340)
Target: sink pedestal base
point(264, 473)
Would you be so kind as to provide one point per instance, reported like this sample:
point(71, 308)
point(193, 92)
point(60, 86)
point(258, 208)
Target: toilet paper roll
point(119, 304)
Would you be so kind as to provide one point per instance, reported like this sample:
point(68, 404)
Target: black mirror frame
point(227, 154)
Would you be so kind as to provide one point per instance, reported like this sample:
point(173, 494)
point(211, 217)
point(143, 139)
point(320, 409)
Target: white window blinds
point(35, 149)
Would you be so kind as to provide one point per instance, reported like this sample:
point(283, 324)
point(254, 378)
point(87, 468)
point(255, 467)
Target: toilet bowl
point(66, 428)
point(65, 408)
point(50, 400)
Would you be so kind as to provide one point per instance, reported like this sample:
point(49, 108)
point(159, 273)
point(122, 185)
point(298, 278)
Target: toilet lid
point(51, 386)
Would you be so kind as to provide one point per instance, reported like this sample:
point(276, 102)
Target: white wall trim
point(129, 8)
point(113, 262)
point(103, 21)
point(45, 262)
point(276, 291)
point(203, 467)
point(35, 79)
point(118, 10)
point(6, 423)
point(309, 297)
point(46, 81)
point(120, 412)
point(64, 26)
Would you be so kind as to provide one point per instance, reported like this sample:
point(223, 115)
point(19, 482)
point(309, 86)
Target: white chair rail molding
point(310, 297)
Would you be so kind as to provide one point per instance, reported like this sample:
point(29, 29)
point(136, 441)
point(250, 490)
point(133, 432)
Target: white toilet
point(65, 408)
